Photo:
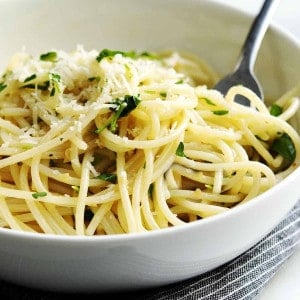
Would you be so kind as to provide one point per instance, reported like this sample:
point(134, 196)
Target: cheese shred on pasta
point(119, 142)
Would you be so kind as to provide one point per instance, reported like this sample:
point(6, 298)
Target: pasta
point(120, 142)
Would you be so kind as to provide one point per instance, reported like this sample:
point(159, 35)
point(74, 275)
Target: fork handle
point(256, 34)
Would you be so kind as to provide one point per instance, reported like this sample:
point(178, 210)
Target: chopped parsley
point(150, 190)
point(179, 81)
point(95, 78)
point(132, 54)
point(275, 110)
point(122, 107)
point(220, 112)
point(285, 147)
point(110, 53)
point(54, 81)
point(127, 104)
point(149, 55)
point(180, 150)
point(2, 86)
point(39, 194)
point(49, 56)
point(208, 101)
point(110, 177)
point(43, 87)
point(29, 78)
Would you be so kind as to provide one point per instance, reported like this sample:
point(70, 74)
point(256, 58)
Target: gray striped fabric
point(242, 278)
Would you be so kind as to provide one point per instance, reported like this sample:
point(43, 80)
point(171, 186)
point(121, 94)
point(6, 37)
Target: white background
point(285, 285)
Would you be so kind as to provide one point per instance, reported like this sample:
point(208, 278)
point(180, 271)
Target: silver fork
point(243, 73)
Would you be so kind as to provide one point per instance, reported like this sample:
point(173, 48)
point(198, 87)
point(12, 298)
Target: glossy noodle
point(112, 142)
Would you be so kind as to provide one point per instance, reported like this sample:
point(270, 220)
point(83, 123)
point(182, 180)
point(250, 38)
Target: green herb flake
point(162, 94)
point(150, 190)
point(29, 78)
point(110, 177)
point(179, 81)
point(39, 194)
point(95, 78)
point(123, 106)
point(55, 77)
point(54, 80)
point(209, 102)
point(2, 86)
point(129, 102)
point(220, 112)
point(276, 110)
point(43, 87)
point(110, 53)
point(132, 54)
point(52, 92)
point(180, 150)
point(149, 55)
point(49, 56)
point(285, 147)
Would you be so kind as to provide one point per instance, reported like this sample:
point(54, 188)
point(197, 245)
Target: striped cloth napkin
point(242, 278)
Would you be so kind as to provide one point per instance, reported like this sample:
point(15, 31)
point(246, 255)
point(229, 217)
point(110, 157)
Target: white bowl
point(132, 261)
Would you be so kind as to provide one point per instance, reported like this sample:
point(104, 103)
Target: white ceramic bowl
point(132, 261)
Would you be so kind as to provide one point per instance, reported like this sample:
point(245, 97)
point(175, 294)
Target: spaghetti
point(119, 142)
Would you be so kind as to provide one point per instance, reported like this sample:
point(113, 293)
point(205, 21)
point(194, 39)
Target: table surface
point(286, 282)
